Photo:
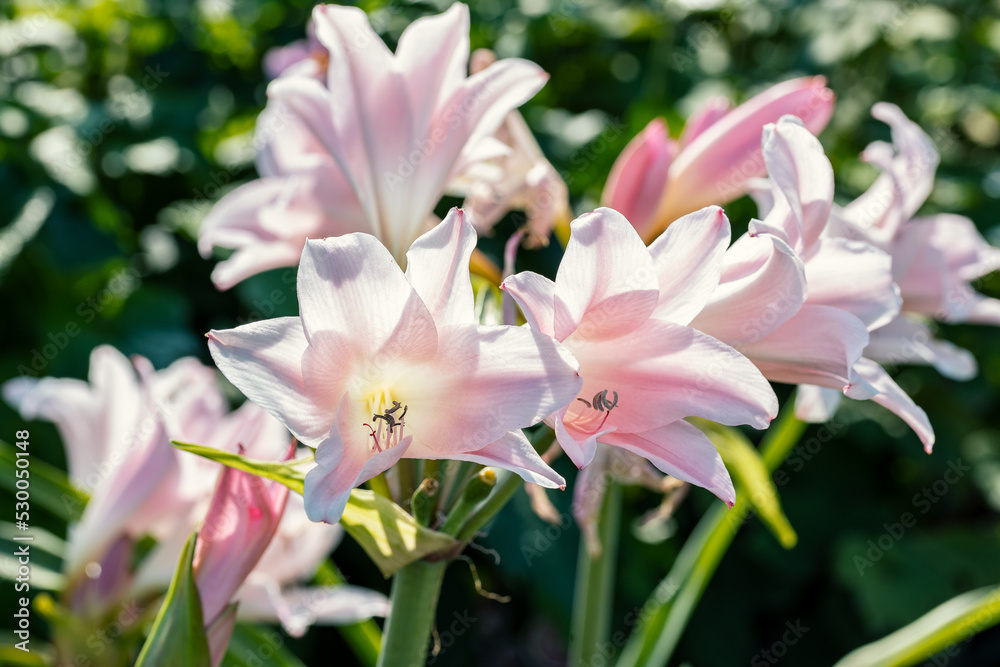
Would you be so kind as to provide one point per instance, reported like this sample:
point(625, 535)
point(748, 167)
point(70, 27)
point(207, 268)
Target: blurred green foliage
point(128, 119)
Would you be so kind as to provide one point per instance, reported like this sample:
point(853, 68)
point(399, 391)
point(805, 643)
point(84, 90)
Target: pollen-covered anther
point(388, 426)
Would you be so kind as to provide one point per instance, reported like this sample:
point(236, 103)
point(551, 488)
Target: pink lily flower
point(817, 336)
point(934, 258)
point(382, 365)
point(373, 148)
point(518, 178)
point(242, 519)
point(623, 311)
point(658, 179)
point(117, 448)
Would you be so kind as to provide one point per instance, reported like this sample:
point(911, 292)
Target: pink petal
point(816, 404)
point(580, 445)
point(716, 166)
point(682, 451)
point(511, 452)
point(906, 340)
point(710, 112)
point(242, 518)
point(132, 497)
point(853, 276)
point(588, 497)
point(763, 284)
point(606, 284)
point(437, 266)
point(891, 397)
point(302, 607)
point(485, 382)
point(264, 361)
point(818, 345)
point(350, 286)
point(434, 53)
point(638, 177)
point(664, 372)
point(688, 258)
point(800, 169)
point(535, 295)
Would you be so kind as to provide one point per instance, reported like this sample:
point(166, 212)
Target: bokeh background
point(122, 122)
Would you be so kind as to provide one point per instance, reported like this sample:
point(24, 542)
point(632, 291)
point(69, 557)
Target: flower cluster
point(655, 320)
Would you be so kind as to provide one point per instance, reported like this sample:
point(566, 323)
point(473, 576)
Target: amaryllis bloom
point(622, 309)
point(519, 178)
point(275, 590)
point(934, 258)
point(373, 148)
point(242, 518)
point(657, 179)
point(816, 335)
point(382, 365)
point(117, 449)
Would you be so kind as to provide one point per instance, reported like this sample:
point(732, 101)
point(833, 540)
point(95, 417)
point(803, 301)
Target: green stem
point(595, 577)
point(364, 637)
point(499, 497)
point(407, 480)
point(670, 608)
point(414, 596)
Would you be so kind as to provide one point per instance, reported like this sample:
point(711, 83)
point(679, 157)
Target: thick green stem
point(595, 577)
point(674, 600)
point(414, 596)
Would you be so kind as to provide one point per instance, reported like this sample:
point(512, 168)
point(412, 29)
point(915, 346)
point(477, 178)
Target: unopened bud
point(422, 501)
point(480, 486)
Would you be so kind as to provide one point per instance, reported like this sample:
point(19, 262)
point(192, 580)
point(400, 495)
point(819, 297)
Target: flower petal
point(818, 345)
point(437, 266)
point(800, 169)
point(854, 276)
point(485, 382)
point(264, 361)
point(664, 372)
point(907, 340)
point(891, 397)
point(682, 451)
point(511, 452)
point(638, 177)
point(716, 166)
point(351, 286)
point(816, 404)
point(606, 284)
point(688, 258)
point(763, 284)
point(535, 295)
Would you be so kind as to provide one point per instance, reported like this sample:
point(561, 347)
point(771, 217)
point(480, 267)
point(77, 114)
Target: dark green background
point(614, 67)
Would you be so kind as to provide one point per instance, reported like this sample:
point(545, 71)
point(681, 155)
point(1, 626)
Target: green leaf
point(947, 624)
point(178, 635)
point(285, 473)
point(252, 646)
point(50, 488)
point(751, 477)
point(388, 534)
point(15, 657)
